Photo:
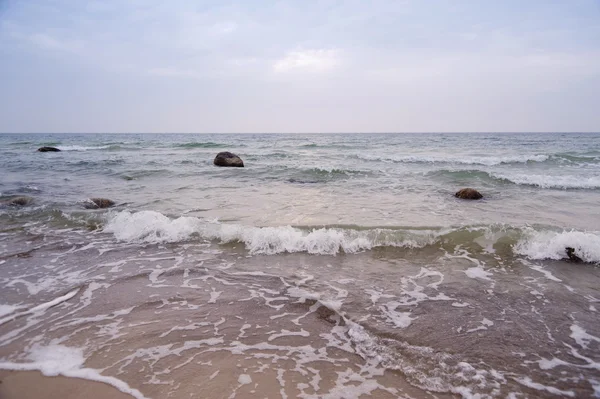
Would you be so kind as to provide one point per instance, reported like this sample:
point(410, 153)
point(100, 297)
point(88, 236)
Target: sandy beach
point(33, 385)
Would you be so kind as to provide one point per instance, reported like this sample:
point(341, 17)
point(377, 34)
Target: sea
point(330, 266)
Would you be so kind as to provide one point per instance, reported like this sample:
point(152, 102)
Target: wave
point(86, 148)
point(469, 160)
point(564, 182)
point(576, 159)
point(559, 158)
point(321, 174)
point(21, 143)
point(208, 144)
point(548, 181)
point(532, 242)
point(551, 245)
point(154, 227)
point(139, 174)
point(328, 146)
point(324, 171)
point(49, 215)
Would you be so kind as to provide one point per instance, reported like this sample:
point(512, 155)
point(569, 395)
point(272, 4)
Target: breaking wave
point(547, 181)
point(485, 160)
point(534, 243)
point(563, 182)
point(154, 227)
point(472, 160)
point(540, 245)
point(88, 148)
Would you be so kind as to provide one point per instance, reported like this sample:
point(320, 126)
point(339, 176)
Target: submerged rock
point(96, 203)
point(571, 254)
point(48, 149)
point(227, 158)
point(18, 201)
point(468, 193)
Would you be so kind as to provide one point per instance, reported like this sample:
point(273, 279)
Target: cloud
point(49, 42)
point(243, 60)
point(320, 60)
point(173, 72)
point(224, 28)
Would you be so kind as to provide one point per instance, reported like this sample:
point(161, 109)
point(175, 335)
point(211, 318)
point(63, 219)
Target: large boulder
point(468, 193)
point(227, 158)
point(96, 203)
point(48, 149)
point(17, 201)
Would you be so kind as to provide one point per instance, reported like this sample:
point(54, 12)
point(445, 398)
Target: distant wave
point(320, 174)
point(576, 159)
point(564, 182)
point(138, 174)
point(492, 160)
point(21, 143)
point(549, 181)
point(208, 144)
point(321, 170)
point(87, 148)
point(468, 160)
point(337, 146)
point(534, 243)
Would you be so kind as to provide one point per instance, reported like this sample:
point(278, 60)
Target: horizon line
point(428, 132)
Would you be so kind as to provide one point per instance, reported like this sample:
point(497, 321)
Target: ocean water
point(331, 266)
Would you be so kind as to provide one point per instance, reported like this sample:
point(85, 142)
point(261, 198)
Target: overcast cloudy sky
point(299, 66)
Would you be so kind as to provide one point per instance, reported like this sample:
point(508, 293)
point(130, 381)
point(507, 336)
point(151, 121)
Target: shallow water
point(330, 266)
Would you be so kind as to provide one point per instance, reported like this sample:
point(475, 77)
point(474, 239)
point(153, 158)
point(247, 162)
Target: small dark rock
point(48, 149)
point(17, 201)
point(468, 193)
point(96, 203)
point(571, 254)
point(227, 158)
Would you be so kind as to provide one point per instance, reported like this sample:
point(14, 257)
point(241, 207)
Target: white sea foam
point(466, 160)
point(41, 308)
point(398, 319)
point(582, 337)
point(551, 245)
point(549, 181)
point(81, 148)
point(53, 360)
point(7, 309)
point(478, 272)
point(154, 227)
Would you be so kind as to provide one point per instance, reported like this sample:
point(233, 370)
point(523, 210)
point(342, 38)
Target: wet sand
point(33, 385)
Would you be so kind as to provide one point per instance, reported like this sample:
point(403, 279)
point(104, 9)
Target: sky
point(299, 66)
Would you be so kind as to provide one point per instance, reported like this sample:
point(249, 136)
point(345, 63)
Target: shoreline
point(34, 385)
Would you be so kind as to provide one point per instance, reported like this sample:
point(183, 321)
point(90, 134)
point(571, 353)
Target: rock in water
point(95, 203)
point(18, 201)
point(228, 159)
point(48, 149)
point(571, 254)
point(468, 193)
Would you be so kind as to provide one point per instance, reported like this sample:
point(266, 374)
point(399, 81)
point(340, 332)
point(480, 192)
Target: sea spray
point(540, 245)
point(535, 243)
